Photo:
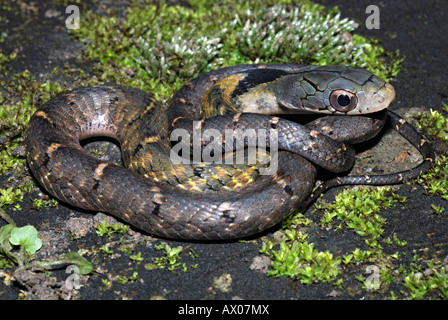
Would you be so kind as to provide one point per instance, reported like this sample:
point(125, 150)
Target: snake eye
point(343, 100)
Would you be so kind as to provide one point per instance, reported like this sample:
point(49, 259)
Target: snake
point(194, 199)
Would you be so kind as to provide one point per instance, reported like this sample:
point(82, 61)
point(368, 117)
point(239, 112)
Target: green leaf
point(85, 267)
point(70, 258)
point(5, 234)
point(26, 236)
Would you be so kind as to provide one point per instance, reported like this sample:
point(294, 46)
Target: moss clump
point(359, 209)
point(429, 280)
point(435, 181)
point(301, 261)
point(309, 35)
point(434, 123)
point(17, 106)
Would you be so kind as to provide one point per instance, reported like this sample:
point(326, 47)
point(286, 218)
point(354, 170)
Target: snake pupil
point(343, 100)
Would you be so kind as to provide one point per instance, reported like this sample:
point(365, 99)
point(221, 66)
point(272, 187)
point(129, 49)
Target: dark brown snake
point(199, 200)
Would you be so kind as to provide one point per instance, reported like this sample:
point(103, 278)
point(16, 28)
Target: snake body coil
point(200, 200)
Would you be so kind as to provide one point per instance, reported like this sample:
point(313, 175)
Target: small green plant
point(26, 238)
point(295, 220)
point(10, 196)
point(170, 260)
point(327, 217)
point(107, 283)
point(294, 235)
point(134, 276)
point(359, 208)
point(121, 279)
point(435, 180)
point(136, 257)
point(106, 228)
point(422, 283)
point(105, 249)
point(300, 260)
point(434, 123)
point(361, 255)
point(347, 259)
point(437, 209)
point(397, 241)
point(40, 203)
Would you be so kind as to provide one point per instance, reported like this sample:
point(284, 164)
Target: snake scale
point(201, 200)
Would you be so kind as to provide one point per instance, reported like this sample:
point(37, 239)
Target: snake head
point(333, 90)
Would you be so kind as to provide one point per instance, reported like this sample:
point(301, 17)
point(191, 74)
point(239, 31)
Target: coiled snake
point(198, 200)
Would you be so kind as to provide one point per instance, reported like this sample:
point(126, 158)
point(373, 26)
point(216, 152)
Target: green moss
point(356, 209)
point(170, 260)
point(434, 123)
point(301, 261)
point(435, 180)
point(17, 106)
point(376, 59)
point(106, 228)
point(360, 208)
point(10, 196)
point(428, 281)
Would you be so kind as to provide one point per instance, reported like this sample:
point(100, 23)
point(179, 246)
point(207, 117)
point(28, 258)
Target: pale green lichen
point(179, 53)
point(302, 34)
